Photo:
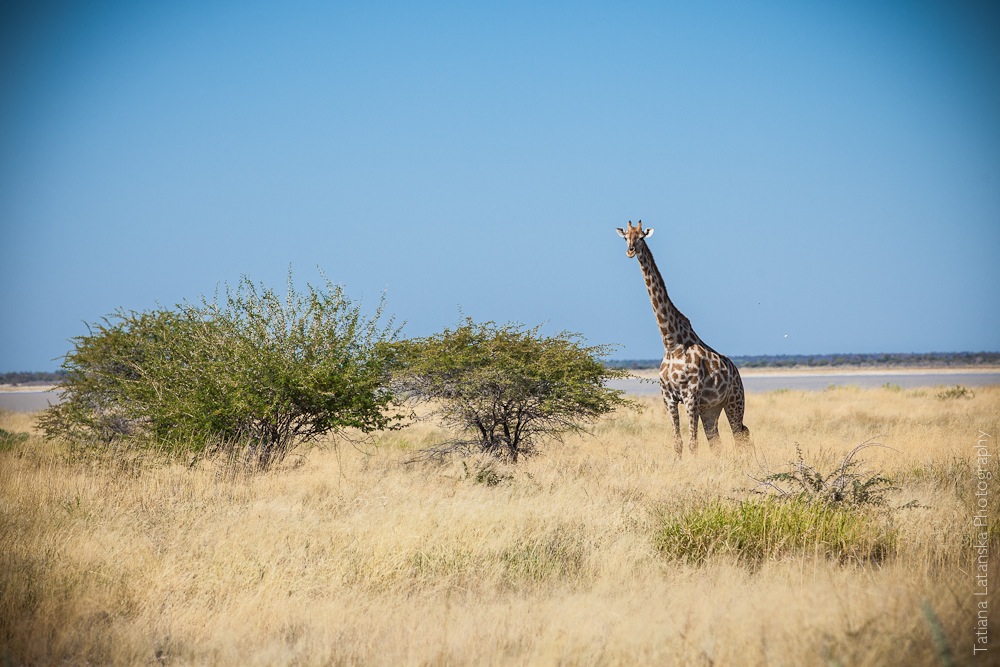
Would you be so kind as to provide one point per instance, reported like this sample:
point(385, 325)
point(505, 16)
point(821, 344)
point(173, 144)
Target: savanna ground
point(350, 555)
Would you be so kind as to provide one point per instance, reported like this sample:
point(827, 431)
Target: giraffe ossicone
point(691, 373)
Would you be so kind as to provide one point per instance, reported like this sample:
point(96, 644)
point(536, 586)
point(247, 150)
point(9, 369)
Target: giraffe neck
point(675, 327)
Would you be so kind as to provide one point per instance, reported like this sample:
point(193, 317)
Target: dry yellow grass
point(349, 556)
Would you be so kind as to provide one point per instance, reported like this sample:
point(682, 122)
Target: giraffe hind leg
point(710, 419)
point(734, 413)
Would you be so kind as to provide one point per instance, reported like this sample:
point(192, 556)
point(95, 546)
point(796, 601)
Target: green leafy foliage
point(505, 386)
point(256, 369)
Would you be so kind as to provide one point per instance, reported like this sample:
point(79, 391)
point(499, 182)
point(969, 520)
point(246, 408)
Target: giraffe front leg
point(675, 417)
point(692, 415)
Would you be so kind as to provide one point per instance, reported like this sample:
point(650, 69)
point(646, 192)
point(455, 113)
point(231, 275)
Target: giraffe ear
point(649, 232)
point(621, 232)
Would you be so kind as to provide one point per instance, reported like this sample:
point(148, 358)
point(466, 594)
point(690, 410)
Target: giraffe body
point(692, 374)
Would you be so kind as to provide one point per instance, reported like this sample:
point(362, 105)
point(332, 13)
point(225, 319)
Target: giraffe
point(691, 372)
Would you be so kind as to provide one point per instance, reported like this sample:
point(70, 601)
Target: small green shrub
point(486, 474)
point(956, 392)
point(846, 484)
point(763, 529)
point(9, 440)
point(504, 387)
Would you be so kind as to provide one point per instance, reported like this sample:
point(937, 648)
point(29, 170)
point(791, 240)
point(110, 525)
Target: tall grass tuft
point(938, 634)
point(753, 531)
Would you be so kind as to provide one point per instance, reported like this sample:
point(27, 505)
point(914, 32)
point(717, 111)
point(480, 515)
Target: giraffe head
point(635, 236)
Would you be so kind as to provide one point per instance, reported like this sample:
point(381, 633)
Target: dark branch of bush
point(846, 484)
point(445, 450)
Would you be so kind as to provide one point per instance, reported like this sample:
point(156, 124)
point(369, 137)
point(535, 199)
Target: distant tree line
point(896, 359)
point(33, 377)
point(900, 359)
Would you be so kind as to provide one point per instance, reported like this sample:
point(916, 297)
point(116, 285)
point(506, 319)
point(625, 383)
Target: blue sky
point(822, 176)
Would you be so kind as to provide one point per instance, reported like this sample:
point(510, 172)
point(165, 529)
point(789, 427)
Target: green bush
point(768, 528)
point(956, 392)
point(254, 369)
point(503, 387)
point(8, 439)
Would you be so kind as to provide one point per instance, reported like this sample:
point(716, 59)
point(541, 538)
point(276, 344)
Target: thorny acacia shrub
point(256, 369)
point(846, 484)
point(505, 386)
